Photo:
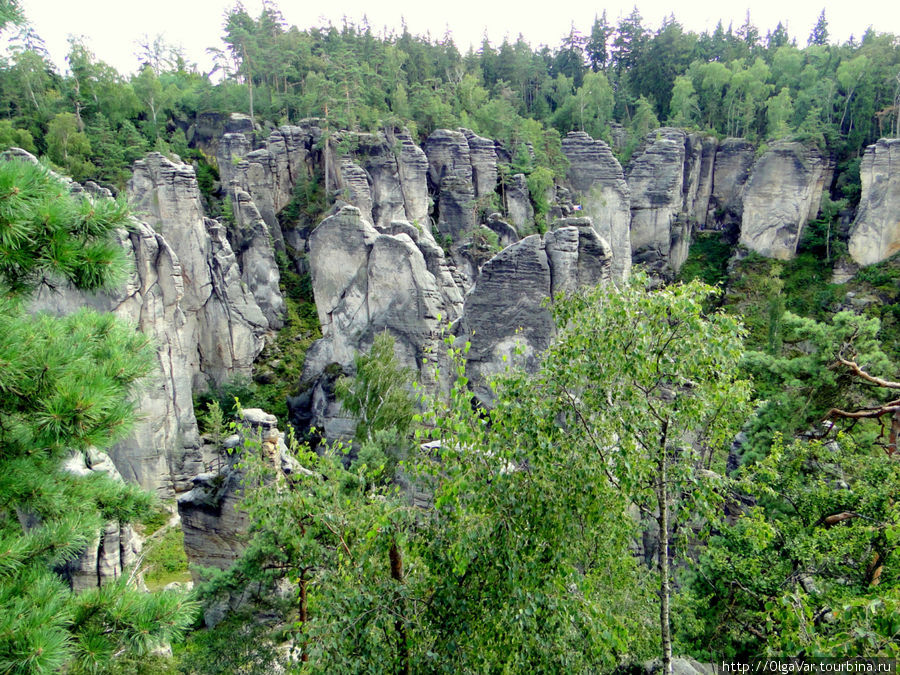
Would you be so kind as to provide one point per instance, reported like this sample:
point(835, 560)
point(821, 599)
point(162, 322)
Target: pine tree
point(64, 387)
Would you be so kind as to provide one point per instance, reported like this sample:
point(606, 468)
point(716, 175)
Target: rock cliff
point(876, 230)
point(506, 317)
point(596, 177)
point(781, 196)
point(223, 324)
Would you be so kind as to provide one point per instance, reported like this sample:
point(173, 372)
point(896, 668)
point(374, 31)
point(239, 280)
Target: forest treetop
point(93, 121)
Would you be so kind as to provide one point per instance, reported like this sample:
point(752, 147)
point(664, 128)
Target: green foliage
point(44, 232)
point(165, 560)
point(798, 382)
point(811, 567)
point(707, 259)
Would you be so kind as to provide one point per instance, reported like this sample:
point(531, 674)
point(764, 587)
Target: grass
point(165, 560)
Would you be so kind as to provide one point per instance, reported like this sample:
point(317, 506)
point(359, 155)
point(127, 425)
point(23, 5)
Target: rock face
point(483, 156)
point(781, 196)
point(597, 177)
point(162, 452)
point(734, 159)
point(660, 231)
point(109, 556)
point(214, 530)
point(224, 326)
point(256, 256)
point(518, 204)
point(366, 282)
point(876, 230)
point(506, 318)
point(700, 164)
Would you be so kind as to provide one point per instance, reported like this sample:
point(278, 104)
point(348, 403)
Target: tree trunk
point(662, 498)
point(304, 654)
point(402, 642)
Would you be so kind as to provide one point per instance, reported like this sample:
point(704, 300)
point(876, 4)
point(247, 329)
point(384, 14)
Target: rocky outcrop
point(412, 171)
point(506, 233)
point(448, 155)
point(456, 208)
point(209, 127)
point(366, 282)
point(699, 171)
point(215, 530)
point(596, 177)
point(660, 231)
point(223, 324)
point(875, 234)
point(781, 196)
point(483, 157)
point(115, 549)
point(506, 317)
point(161, 453)
point(256, 257)
point(578, 256)
point(517, 203)
point(734, 159)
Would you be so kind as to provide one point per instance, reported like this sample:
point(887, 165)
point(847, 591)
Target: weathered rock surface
point(448, 155)
point(506, 233)
point(505, 313)
point(224, 326)
point(734, 159)
point(506, 318)
point(699, 171)
point(660, 233)
point(483, 157)
point(365, 282)
point(876, 230)
point(597, 177)
point(518, 203)
point(214, 530)
point(209, 127)
point(161, 453)
point(456, 208)
point(578, 256)
point(781, 196)
point(256, 256)
point(117, 547)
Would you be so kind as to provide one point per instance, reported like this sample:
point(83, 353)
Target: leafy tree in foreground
point(64, 386)
point(648, 386)
point(811, 568)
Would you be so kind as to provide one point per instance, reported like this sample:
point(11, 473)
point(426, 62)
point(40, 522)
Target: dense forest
point(703, 470)
point(610, 79)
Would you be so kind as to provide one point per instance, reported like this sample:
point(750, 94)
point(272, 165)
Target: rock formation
point(781, 196)
point(734, 159)
point(596, 177)
point(517, 203)
point(224, 326)
point(483, 157)
point(660, 231)
point(366, 282)
point(506, 317)
point(876, 229)
point(161, 453)
point(115, 549)
point(214, 530)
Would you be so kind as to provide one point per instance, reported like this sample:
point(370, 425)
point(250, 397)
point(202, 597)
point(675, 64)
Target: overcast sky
point(114, 26)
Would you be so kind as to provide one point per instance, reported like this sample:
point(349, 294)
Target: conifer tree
point(64, 387)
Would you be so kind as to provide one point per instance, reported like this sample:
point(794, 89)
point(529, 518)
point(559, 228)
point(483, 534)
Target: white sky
point(114, 26)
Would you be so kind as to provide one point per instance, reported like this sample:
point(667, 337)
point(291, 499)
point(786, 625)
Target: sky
point(114, 27)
